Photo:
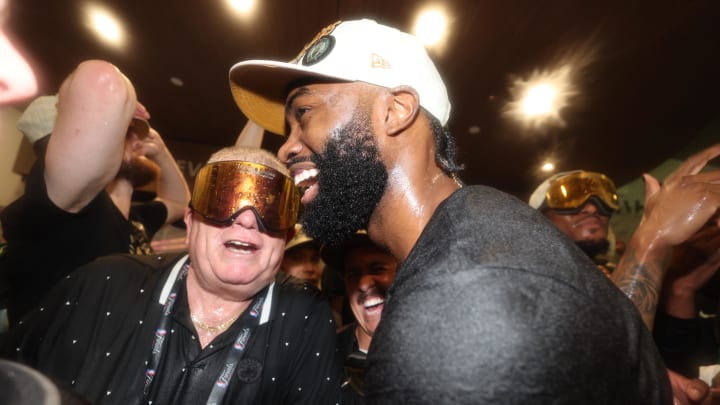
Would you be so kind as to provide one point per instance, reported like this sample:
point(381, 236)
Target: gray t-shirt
point(494, 305)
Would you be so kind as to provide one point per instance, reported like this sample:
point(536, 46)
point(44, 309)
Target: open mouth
point(374, 303)
point(237, 246)
point(306, 181)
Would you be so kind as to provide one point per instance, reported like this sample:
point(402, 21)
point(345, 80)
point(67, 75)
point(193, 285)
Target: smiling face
point(333, 156)
point(236, 260)
point(368, 272)
point(303, 262)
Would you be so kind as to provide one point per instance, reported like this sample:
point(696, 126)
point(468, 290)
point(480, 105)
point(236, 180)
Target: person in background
point(672, 253)
point(77, 204)
point(580, 204)
point(367, 271)
point(491, 303)
point(210, 326)
point(17, 79)
point(302, 258)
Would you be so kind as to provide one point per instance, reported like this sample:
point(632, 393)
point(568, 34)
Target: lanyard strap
point(223, 381)
point(161, 331)
point(234, 355)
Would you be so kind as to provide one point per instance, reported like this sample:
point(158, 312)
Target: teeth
point(371, 302)
point(237, 244)
point(305, 175)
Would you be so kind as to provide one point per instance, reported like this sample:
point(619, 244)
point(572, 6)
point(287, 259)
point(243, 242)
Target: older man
point(210, 327)
point(492, 304)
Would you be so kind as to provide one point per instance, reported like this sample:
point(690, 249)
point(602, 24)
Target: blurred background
point(620, 87)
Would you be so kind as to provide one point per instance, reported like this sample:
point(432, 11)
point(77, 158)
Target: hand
point(689, 392)
point(685, 203)
point(694, 262)
point(153, 144)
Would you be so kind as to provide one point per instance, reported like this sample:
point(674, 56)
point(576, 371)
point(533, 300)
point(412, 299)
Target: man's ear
point(403, 108)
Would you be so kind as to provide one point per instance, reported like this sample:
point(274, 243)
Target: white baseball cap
point(38, 119)
point(358, 50)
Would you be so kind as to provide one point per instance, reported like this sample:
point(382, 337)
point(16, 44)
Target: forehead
point(367, 254)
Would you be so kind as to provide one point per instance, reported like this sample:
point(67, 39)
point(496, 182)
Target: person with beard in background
point(580, 204)
point(77, 203)
point(491, 303)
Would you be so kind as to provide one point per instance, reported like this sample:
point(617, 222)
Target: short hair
point(252, 155)
point(445, 151)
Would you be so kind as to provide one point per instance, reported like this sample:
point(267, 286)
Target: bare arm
point(172, 189)
point(686, 202)
point(96, 103)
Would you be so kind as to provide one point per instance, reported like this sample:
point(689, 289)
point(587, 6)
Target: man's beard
point(139, 171)
point(593, 248)
point(351, 182)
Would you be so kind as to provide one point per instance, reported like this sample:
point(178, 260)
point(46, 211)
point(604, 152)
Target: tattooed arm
point(673, 212)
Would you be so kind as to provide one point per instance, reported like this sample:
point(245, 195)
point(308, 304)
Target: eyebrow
point(300, 92)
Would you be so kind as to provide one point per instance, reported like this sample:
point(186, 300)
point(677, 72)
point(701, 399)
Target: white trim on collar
point(171, 280)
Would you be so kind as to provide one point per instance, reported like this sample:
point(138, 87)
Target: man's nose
point(247, 219)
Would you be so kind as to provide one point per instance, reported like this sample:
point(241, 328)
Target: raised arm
point(95, 106)
point(172, 189)
point(673, 212)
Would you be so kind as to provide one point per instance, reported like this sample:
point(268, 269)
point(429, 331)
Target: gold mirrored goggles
point(223, 190)
point(569, 193)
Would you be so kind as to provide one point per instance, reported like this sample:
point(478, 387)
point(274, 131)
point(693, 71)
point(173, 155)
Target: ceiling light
point(177, 81)
point(241, 6)
point(548, 167)
point(430, 26)
point(538, 100)
point(105, 25)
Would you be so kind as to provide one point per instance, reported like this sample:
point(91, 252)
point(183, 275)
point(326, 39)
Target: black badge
point(249, 370)
point(319, 50)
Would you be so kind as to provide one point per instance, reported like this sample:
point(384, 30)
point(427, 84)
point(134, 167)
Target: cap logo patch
point(325, 31)
point(377, 61)
point(319, 50)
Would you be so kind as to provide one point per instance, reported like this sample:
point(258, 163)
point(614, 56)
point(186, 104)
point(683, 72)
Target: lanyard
point(223, 381)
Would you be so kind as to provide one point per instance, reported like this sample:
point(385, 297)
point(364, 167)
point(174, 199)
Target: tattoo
point(641, 282)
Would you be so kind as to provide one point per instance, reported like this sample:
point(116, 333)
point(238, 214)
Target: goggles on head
point(223, 190)
point(568, 194)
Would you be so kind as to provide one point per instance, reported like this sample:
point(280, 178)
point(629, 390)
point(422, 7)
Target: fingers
point(651, 185)
point(696, 162)
point(141, 111)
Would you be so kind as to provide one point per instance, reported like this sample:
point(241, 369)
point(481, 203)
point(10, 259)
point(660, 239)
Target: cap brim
point(260, 87)
point(334, 256)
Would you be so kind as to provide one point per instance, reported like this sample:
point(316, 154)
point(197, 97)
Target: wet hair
point(445, 151)
point(252, 155)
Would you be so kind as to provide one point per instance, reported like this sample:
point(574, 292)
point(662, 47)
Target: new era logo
point(378, 62)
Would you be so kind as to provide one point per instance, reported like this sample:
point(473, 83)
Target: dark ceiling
point(645, 72)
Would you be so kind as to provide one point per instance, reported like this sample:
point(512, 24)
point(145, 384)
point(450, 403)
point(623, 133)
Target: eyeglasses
point(568, 194)
point(223, 190)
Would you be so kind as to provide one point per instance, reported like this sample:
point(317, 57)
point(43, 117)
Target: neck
point(121, 191)
point(211, 312)
point(363, 338)
point(407, 206)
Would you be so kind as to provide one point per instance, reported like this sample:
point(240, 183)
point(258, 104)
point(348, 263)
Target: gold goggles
point(223, 190)
point(569, 193)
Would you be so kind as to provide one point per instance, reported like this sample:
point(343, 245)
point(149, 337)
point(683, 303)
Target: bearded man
point(491, 303)
point(95, 148)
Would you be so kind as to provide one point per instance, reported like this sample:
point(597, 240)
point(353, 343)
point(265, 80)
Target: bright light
point(242, 6)
point(538, 100)
point(548, 167)
point(105, 25)
point(430, 26)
